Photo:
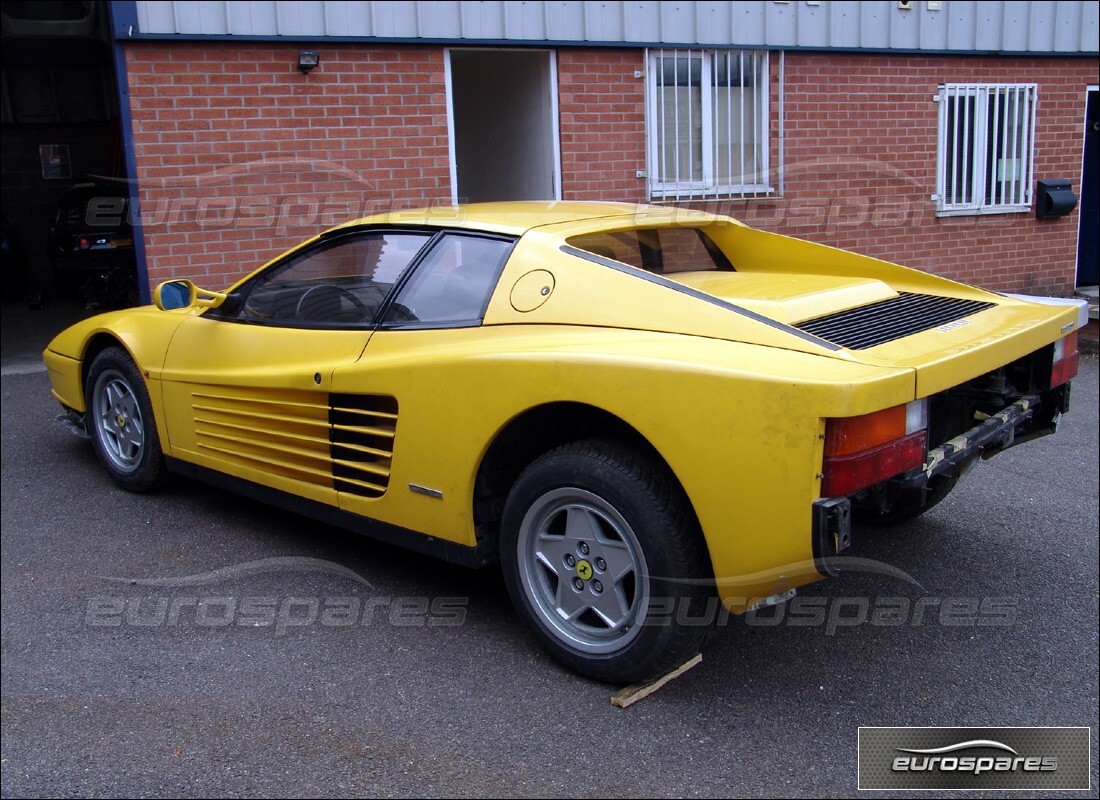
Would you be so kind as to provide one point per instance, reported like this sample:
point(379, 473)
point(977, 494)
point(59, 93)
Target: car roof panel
point(521, 216)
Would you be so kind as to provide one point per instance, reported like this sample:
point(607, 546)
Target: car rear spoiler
point(1080, 302)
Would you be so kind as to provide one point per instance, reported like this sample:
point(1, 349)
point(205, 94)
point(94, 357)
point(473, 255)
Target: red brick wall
point(601, 108)
point(240, 156)
point(860, 158)
point(879, 110)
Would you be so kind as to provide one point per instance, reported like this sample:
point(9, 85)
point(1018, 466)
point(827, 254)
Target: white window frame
point(951, 196)
point(708, 186)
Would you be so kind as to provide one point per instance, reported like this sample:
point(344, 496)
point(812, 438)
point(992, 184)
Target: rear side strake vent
point(362, 433)
point(888, 320)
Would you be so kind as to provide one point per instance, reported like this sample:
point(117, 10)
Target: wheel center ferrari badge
point(584, 570)
point(121, 420)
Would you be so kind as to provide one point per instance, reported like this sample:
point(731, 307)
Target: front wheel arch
point(96, 345)
point(120, 419)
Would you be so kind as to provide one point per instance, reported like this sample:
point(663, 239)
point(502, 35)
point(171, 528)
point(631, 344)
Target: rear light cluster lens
point(862, 451)
point(1065, 360)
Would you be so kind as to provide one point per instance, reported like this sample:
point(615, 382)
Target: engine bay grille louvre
point(361, 435)
point(889, 320)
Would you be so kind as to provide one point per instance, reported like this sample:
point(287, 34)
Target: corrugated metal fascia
point(1026, 27)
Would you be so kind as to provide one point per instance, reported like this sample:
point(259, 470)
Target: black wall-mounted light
point(307, 60)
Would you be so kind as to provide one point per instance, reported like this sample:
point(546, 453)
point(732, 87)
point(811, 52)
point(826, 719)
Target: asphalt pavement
point(192, 643)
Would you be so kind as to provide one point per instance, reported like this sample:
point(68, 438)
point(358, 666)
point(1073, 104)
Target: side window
point(624, 246)
point(452, 284)
point(340, 282)
point(660, 250)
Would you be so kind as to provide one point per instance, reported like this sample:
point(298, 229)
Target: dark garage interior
point(60, 128)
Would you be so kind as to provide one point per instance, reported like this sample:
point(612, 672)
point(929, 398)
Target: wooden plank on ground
point(636, 691)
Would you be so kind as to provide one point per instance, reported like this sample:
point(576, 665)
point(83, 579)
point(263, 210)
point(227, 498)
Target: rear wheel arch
point(604, 561)
point(535, 432)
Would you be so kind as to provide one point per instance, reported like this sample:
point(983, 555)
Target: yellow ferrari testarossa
point(633, 409)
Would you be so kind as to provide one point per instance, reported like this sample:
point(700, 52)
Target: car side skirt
point(474, 557)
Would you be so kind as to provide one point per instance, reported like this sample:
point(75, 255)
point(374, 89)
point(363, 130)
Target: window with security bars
point(707, 123)
point(986, 146)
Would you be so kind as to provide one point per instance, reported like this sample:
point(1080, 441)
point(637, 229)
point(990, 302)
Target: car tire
point(905, 508)
point(605, 562)
point(119, 418)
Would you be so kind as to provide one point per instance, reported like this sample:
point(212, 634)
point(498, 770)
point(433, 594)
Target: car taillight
point(1065, 360)
point(84, 243)
point(862, 451)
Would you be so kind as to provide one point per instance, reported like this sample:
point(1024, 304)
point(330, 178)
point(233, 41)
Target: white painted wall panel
point(748, 24)
point(933, 31)
point(873, 24)
point(1090, 26)
point(602, 21)
point(209, 18)
point(960, 24)
point(677, 21)
point(337, 18)
point(844, 27)
point(904, 30)
point(307, 16)
point(347, 18)
point(521, 24)
point(157, 15)
point(779, 22)
point(712, 22)
point(439, 19)
point(564, 20)
point(1067, 22)
point(1014, 25)
point(641, 22)
point(480, 20)
point(989, 26)
point(256, 18)
point(812, 23)
point(1039, 26)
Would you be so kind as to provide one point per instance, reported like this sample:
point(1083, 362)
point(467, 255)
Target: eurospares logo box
point(1036, 759)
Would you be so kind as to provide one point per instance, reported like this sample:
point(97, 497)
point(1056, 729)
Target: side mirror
point(174, 294)
point(171, 295)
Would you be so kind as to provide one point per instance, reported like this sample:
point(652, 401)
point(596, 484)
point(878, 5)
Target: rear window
point(660, 250)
